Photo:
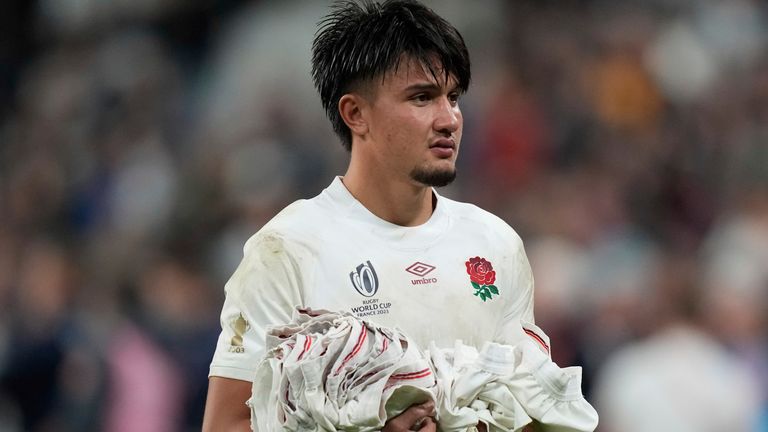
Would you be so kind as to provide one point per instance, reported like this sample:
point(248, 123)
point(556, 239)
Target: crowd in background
point(142, 142)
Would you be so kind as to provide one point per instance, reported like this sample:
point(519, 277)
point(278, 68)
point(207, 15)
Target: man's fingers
point(429, 407)
point(417, 412)
point(428, 425)
point(417, 417)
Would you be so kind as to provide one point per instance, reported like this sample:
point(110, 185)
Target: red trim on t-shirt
point(355, 350)
point(538, 338)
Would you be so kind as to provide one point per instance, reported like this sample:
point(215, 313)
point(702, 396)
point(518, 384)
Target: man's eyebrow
point(426, 86)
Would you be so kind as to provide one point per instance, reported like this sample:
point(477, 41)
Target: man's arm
point(225, 409)
point(260, 293)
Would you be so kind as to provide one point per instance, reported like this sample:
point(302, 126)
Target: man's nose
point(448, 117)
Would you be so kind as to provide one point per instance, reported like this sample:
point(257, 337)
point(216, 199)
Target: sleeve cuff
point(231, 372)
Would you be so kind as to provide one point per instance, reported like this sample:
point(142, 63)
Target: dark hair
point(359, 41)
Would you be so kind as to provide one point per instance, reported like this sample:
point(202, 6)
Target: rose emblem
point(482, 276)
point(481, 271)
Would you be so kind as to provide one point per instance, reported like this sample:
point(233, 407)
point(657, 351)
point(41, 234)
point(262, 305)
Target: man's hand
point(415, 418)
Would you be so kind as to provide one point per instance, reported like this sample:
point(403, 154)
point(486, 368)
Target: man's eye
point(421, 97)
point(454, 98)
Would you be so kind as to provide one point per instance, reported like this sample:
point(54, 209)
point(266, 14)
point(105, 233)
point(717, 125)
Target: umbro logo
point(421, 269)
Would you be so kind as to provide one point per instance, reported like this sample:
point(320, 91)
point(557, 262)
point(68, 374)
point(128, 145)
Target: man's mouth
point(443, 148)
point(445, 143)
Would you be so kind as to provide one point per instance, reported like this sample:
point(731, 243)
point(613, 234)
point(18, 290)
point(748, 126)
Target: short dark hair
point(359, 41)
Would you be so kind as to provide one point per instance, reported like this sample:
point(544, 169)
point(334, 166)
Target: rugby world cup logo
point(364, 279)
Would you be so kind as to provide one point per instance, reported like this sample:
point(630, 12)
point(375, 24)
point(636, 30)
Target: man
point(378, 242)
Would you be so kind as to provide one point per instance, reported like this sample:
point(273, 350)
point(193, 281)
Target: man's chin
point(434, 177)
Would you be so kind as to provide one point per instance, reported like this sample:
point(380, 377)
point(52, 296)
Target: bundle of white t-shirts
point(508, 386)
point(332, 371)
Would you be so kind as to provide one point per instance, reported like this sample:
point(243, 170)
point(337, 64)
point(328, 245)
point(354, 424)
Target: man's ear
point(351, 108)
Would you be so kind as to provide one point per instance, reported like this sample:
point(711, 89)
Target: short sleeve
point(264, 290)
point(519, 306)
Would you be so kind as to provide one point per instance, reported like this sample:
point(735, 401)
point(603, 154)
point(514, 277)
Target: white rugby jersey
point(461, 275)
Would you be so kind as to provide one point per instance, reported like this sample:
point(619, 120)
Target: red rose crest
point(482, 276)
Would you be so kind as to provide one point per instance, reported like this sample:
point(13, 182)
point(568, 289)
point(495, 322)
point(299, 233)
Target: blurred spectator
point(44, 346)
point(736, 277)
point(515, 138)
point(676, 379)
point(158, 358)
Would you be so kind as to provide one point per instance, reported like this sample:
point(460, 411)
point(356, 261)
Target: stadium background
point(143, 141)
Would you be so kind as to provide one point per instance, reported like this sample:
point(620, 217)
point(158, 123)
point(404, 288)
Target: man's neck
point(401, 202)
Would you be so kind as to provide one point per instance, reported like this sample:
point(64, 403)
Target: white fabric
point(509, 386)
point(311, 252)
point(333, 371)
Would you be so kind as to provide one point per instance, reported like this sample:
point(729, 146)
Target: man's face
point(415, 125)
